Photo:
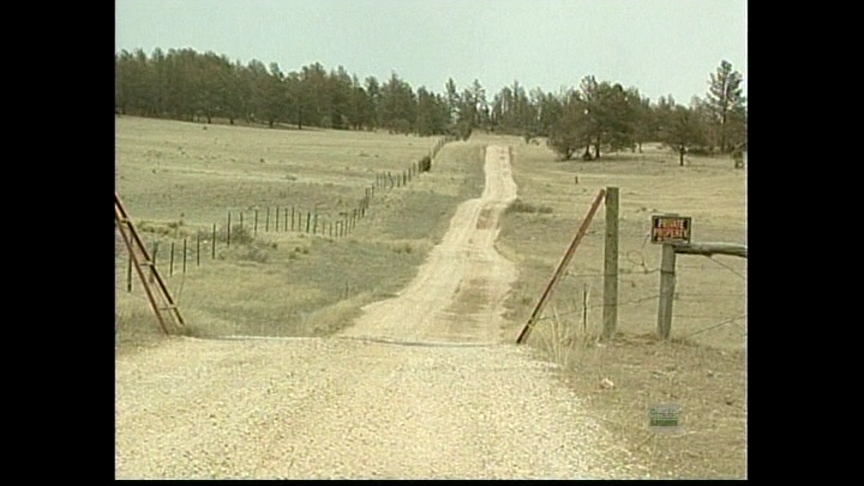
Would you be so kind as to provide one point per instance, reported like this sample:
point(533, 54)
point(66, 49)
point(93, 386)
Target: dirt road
point(459, 292)
point(422, 386)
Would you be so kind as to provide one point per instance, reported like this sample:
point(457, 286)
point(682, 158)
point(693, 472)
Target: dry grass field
point(703, 368)
point(177, 179)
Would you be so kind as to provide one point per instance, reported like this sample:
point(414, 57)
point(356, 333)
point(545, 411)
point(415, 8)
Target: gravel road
point(421, 386)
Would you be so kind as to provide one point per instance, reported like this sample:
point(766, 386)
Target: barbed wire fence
point(710, 300)
point(174, 254)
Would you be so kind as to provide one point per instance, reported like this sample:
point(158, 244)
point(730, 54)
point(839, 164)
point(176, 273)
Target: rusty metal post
point(583, 228)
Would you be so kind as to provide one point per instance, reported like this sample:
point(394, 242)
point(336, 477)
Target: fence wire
point(707, 296)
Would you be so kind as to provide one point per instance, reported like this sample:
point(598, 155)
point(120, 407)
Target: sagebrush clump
point(519, 206)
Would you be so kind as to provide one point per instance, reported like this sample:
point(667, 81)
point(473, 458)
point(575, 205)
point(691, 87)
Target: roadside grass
point(702, 369)
point(135, 327)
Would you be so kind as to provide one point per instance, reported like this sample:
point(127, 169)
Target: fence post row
point(338, 228)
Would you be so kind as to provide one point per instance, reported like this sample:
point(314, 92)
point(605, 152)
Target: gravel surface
point(422, 386)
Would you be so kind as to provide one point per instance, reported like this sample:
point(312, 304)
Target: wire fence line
point(590, 307)
point(710, 295)
point(727, 267)
point(242, 226)
point(554, 313)
point(721, 323)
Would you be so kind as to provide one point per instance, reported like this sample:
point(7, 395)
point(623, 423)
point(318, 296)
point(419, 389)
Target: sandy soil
point(422, 386)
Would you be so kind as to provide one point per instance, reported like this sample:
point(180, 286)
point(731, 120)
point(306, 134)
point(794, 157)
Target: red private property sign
point(670, 229)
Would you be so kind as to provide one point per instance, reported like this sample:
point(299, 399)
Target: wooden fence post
point(213, 243)
point(171, 261)
point(667, 275)
point(308, 221)
point(667, 291)
point(184, 256)
point(228, 238)
point(610, 264)
point(198, 250)
point(129, 273)
point(255, 225)
point(267, 221)
point(584, 309)
point(153, 262)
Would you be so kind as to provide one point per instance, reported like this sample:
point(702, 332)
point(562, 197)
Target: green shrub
point(519, 206)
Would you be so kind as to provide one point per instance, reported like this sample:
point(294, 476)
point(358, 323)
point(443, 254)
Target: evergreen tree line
point(595, 118)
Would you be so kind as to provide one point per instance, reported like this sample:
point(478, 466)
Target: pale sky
point(661, 47)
